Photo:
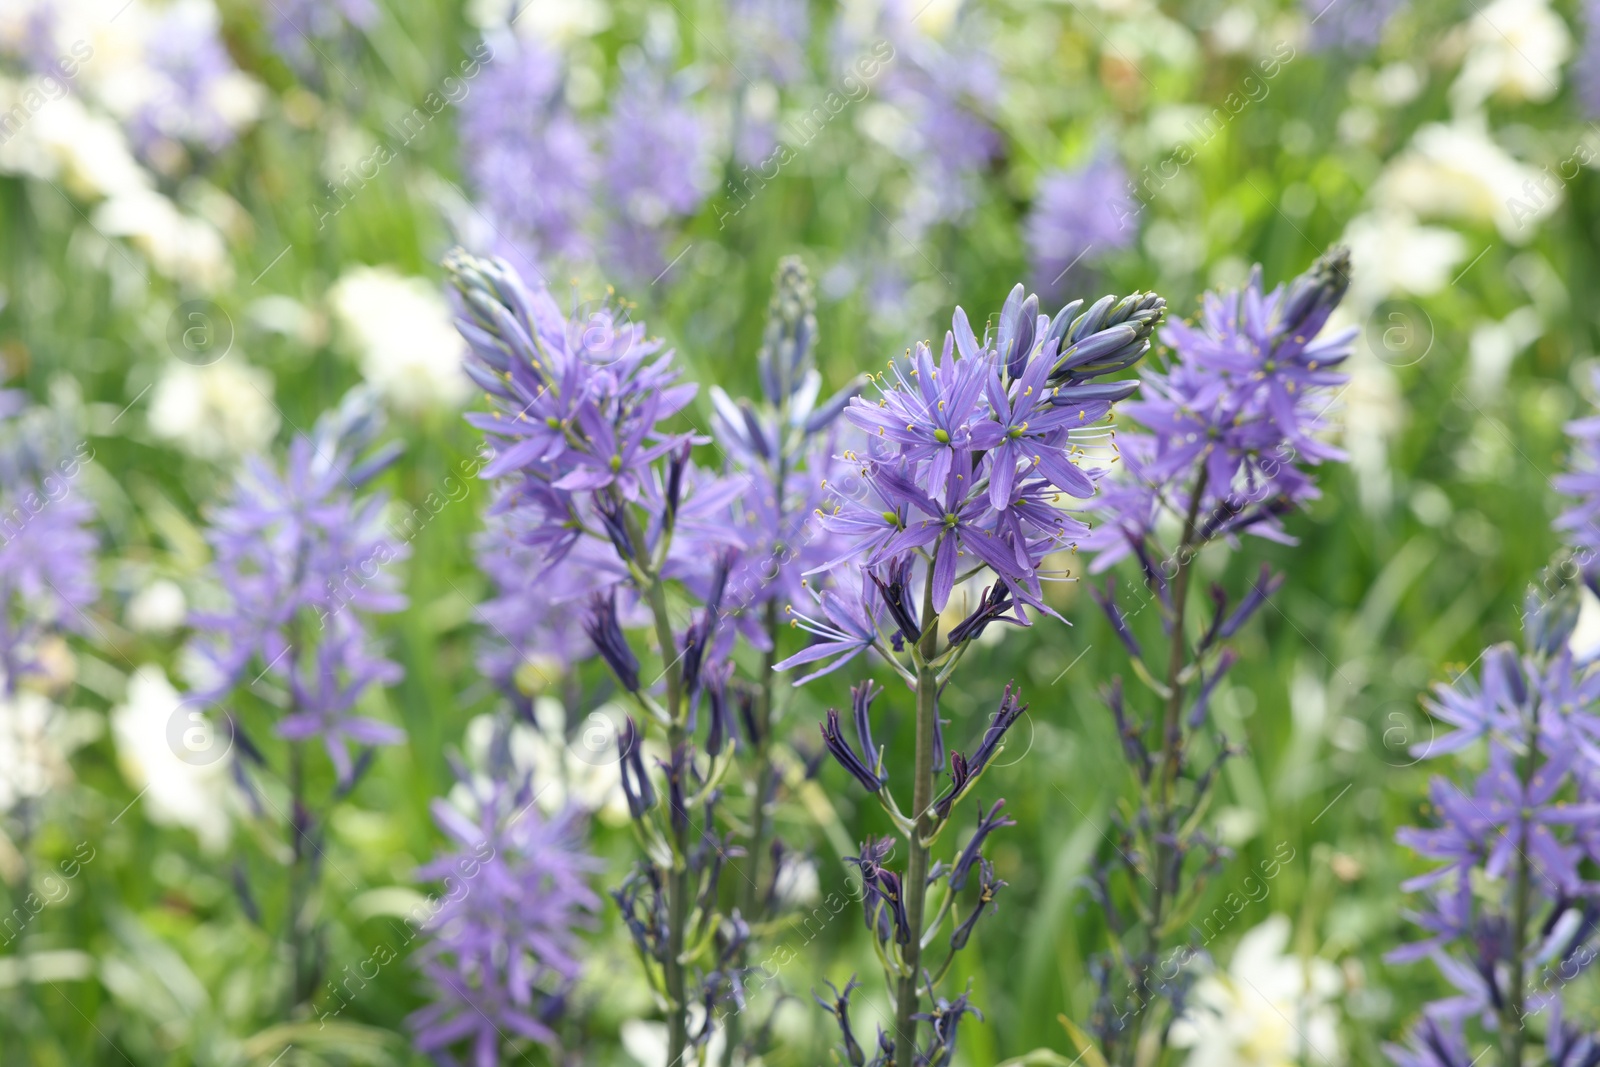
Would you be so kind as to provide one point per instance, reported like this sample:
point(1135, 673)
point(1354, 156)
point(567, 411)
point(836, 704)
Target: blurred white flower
point(1494, 345)
point(32, 760)
point(551, 22)
point(88, 154)
point(1269, 1010)
point(797, 884)
point(1515, 49)
point(402, 332)
point(158, 608)
point(179, 246)
point(175, 792)
point(1390, 253)
point(1458, 171)
point(1374, 408)
point(586, 772)
point(216, 412)
point(646, 1042)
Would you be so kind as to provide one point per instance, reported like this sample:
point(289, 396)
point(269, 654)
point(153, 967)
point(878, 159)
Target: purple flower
point(529, 157)
point(301, 560)
point(1233, 417)
point(1354, 26)
point(1080, 213)
point(964, 461)
point(47, 552)
point(848, 626)
point(1586, 69)
point(947, 90)
point(189, 67)
point(539, 621)
point(501, 946)
point(1511, 893)
point(656, 159)
point(1581, 521)
point(771, 37)
point(303, 29)
point(1432, 1043)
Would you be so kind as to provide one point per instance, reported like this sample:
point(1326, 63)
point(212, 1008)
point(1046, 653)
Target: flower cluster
point(966, 460)
point(1225, 431)
point(601, 515)
point(966, 463)
point(47, 554)
point(302, 559)
point(945, 91)
point(1227, 427)
point(542, 168)
point(501, 949)
point(1078, 214)
point(783, 445)
point(1509, 917)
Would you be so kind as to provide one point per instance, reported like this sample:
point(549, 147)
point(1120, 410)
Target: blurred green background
point(1476, 347)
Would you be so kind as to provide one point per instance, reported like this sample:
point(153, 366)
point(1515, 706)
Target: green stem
point(1514, 1022)
point(915, 885)
point(1165, 882)
point(678, 889)
point(295, 926)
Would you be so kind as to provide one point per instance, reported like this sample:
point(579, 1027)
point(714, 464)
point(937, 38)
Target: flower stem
point(915, 886)
point(295, 926)
point(1166, 881)
point(678, 890)
point(1514, 1020)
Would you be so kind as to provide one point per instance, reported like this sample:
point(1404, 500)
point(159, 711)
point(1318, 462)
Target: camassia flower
point(968, 462)
point(47, 552)
point(302, 559)
point(501, 945)
point(1226, 428)
point(1508, 917)
point(1221, 438)
point(968, 458)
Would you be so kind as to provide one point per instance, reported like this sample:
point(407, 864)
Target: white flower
point(32, 760)
point(175, 792)
point(586, 772)
point(1494, 345)
point(158, 608)
point(1268, 1010)
point(1391, 253)
point(218, 411)
point(646, 1042)
point(402, 332)
point(797, 884)
point(554, 22)
point(87, 153)
point(1516, 49)
point(1457, 171)
point(179, 246)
